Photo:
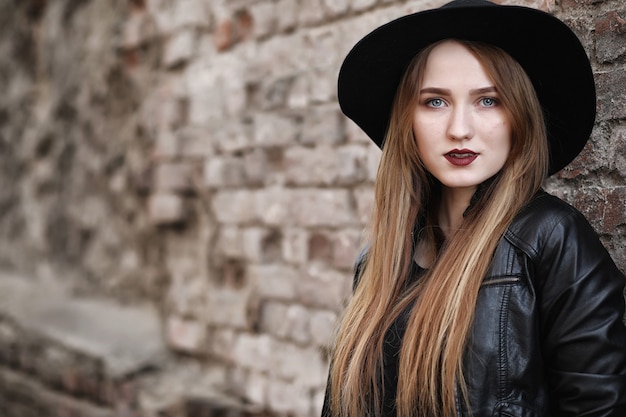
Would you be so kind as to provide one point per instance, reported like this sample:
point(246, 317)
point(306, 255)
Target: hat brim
point(545, 47)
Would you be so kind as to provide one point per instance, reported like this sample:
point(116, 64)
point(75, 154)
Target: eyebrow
point(444, 91)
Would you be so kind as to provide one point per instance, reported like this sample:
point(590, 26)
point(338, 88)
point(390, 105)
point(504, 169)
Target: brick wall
point(191, 153)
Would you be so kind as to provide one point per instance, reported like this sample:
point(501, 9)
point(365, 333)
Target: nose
point(460, 125)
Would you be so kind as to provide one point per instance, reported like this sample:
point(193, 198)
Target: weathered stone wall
point(191, 154)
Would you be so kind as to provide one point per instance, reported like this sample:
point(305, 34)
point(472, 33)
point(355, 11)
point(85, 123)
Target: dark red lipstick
point(461, 157)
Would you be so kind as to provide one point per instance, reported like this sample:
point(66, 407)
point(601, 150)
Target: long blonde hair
point(444, 299)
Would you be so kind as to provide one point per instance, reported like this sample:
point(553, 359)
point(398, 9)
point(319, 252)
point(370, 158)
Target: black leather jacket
point(548, 337)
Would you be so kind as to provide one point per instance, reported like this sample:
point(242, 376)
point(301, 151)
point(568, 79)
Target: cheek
point(500, 134)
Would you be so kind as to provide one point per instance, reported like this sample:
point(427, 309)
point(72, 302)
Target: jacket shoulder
point(538, 220)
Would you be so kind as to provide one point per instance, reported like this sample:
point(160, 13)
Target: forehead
point(451, 62)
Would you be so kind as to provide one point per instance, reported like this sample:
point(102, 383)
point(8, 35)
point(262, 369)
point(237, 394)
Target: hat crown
point(467, 3)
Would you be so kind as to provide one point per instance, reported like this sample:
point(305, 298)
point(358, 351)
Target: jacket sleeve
point(582, 313)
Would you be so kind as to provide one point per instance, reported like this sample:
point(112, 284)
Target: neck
point(454, 202)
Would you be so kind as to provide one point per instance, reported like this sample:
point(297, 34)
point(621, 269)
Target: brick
point(277, 282)
point(323, 85)
point(325, 165)
point(206, 101)
point(180, 48)
point(272, 130)
point(186, 294)
point(322, 327)
point(189, 13)
point(206, 110)
point(614, 213)
point(320, 247)
point(194, 143)
point(230, 242)
point(235, 98)
point(310, 13)
point(262, 245)
point(346, 245)
point(289, 399)
point(162, 110)
point(535, 4)
point(221, 344)
point(610, 31)
point(234, 207)
point(232, 137)
point(256, 166)
point(288, 322)
point(224, 171)
point(162, 14)
point(245, 24)
point(323, 124)
point(166, 209)
point(225, 35)
point(137, 30)
point(302, 365)
point(595, 155)
point(354, 161)
point(298, 327)
point(312, 166)
point(591, 202)
point(201, 77)
point(233, 29)
point(611, 105)
point(324, 38)
point(166, 145)
point(323, 287)
point(364, 197)
point(236, 381)
point(305, 207)
point(256, 387)
point(287, 19)
point(359, 5)
point(272, 319)
point(295, 245)
point(325, 207)
point(235, 308)
point(265, 18)
point(274, 93)
point(618, 143)
point(319, 394)
point(290, 50)
point(299, 95)
point(373, 161)
point(335, 8)
point(274, 206)
point(185, 335)
point(174, 177)
point(254, 351)
point(352, 30)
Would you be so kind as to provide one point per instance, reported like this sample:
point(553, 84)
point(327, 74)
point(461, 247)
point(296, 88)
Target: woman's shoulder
point(546, 218)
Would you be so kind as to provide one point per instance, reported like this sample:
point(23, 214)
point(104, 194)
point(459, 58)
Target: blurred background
point(182, 201)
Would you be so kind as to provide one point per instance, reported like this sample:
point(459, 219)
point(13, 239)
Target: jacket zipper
point(503, 280)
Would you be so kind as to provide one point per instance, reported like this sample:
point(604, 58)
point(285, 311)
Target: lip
point(461, 157)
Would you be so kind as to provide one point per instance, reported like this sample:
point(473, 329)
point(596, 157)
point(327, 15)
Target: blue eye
point(488, 101)
point(435, 102)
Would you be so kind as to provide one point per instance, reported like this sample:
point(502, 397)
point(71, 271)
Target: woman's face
point(462, 131)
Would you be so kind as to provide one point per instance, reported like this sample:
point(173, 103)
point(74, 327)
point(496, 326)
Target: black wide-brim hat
point(545, 47)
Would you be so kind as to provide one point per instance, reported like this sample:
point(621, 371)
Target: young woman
point(478, 294)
